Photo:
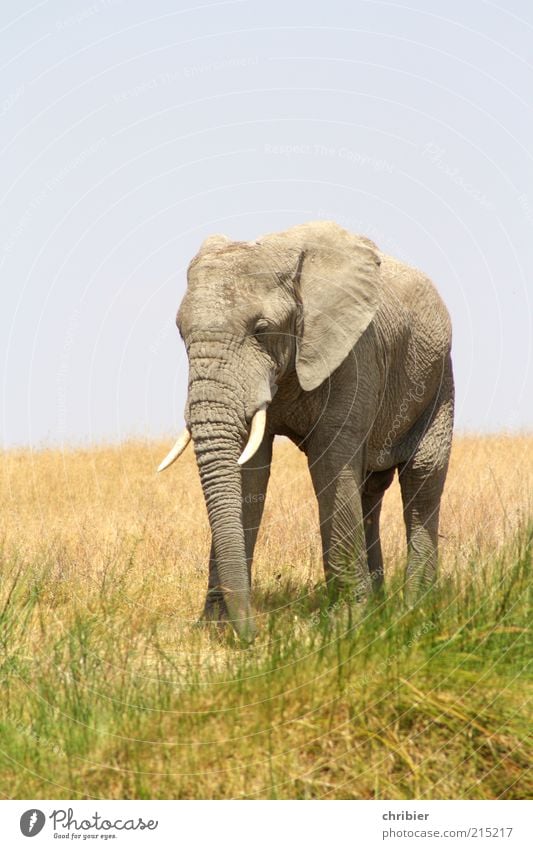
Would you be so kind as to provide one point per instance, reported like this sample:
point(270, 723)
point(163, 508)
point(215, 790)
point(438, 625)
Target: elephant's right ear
point(337, 281)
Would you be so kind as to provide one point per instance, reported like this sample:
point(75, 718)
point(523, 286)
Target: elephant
point(316, 335)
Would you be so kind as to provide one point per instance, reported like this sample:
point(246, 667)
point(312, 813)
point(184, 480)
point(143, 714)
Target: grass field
point(108, 689)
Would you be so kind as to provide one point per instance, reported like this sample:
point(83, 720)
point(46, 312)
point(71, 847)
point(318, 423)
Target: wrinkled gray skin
point(351, 350)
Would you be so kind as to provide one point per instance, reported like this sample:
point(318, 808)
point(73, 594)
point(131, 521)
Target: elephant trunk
point(219, 431)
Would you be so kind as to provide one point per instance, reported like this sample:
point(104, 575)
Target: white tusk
point(257, 431)
point(179, 448)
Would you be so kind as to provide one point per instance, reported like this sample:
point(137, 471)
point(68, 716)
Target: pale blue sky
point(131, 130)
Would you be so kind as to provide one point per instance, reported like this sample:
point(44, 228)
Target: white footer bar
point(266, 825)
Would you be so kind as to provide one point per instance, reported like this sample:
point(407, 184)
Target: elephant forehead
point(228, 281)
point(221, 306)
point(234, 271)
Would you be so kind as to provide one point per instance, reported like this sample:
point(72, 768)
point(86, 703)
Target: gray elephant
point(315, 335)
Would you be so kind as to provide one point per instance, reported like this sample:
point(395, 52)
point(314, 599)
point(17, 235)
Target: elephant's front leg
point(337, 481)
point(255, 475)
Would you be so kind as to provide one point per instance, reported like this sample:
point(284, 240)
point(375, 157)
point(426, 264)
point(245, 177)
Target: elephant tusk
point(179, 447)
point(257, 431)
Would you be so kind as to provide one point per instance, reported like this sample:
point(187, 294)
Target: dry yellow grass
point(86, 510)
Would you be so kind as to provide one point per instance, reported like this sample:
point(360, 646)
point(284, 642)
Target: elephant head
point(252, 313)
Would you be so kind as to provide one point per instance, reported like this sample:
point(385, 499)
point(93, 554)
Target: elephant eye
point(261, 326)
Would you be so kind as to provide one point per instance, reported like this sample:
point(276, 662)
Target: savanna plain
point(110, 690)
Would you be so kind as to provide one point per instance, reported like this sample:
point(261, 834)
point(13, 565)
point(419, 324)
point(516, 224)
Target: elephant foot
point(356, 590)
point(377, 579)
point(345, 604)
point(417, 591)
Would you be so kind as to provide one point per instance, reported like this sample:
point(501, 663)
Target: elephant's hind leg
point(422, 481)
point(421, 504)
point(374, 488)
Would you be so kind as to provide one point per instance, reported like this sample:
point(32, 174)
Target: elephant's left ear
point(338, 283)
